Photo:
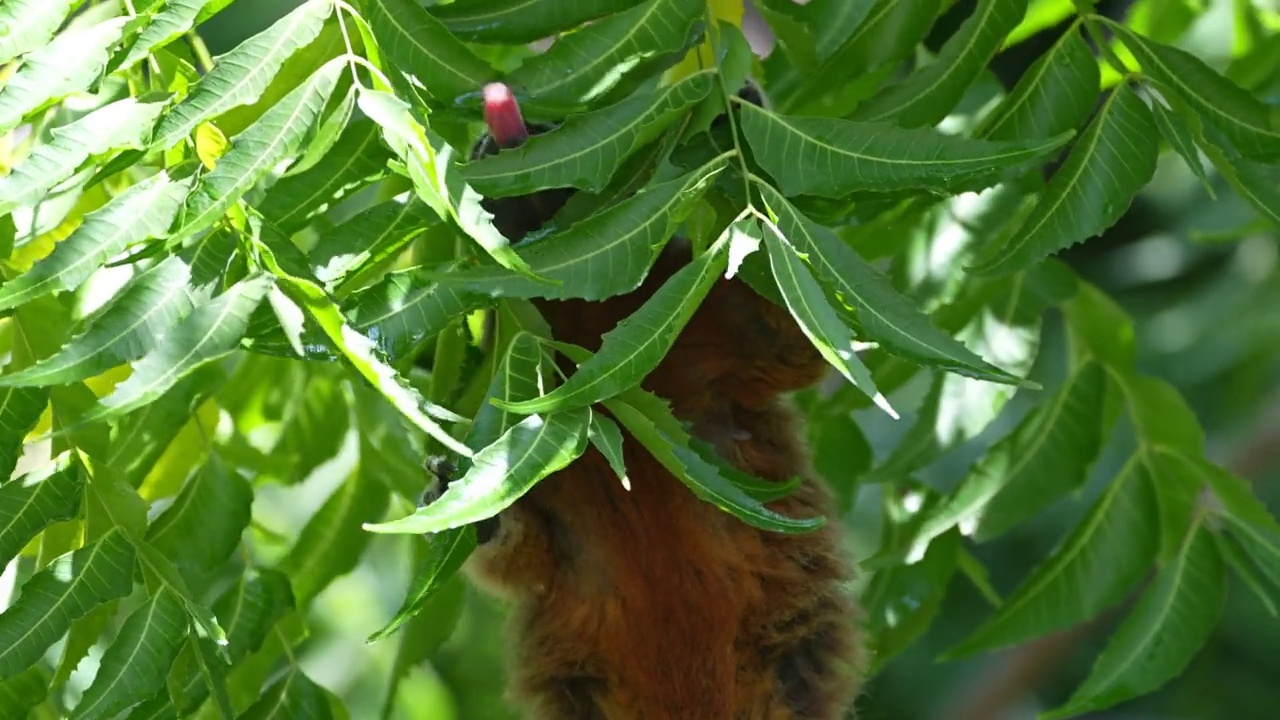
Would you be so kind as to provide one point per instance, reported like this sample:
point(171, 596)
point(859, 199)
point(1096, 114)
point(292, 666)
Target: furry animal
point(648, 603)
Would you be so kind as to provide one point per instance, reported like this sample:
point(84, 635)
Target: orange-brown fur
point(651, 604)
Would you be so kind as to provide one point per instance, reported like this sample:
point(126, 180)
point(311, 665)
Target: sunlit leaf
point(240, 76)
point(32, 502)
point(502, 472)
point(214, 506)
point(210, 332)
point(142, 212)
point(417, 44)
point(584, 65)
point(67, 588)
point(29, 24)
point(833, 158)
point(130, 327)
point(1056, 94)
point(69, 64)
point(124, 123)
point(587, 149)
point(446, 551)
point(636, 346)
point(177, 17)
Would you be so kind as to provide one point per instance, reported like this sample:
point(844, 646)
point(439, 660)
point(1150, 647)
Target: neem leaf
point(502, 472)
point(1170, 624)
point(69, 64)
point(29, 24)
point(445, 554)
point(649, 420)
point(819, 322)
point(214, 506)
point(292, 697)
point(587, 149)
point(32, 502)
point(1252, 125)
point(833, 158)
point(130, 327)
point(636, 346)
point(517, 378)
point(165, 26)
point(137, 662)
point(1093, 568)
point(520, 21)
point(1054, 95)
point(66, 589)
point(240, 76)
point(210, 332)
point(144, 211)
point(124, 123)
point(607, 254)
point(275, 136)
point(885, 314)
point(584, 65)
point(929, 94)
point(417, 44)
point(1112, 161)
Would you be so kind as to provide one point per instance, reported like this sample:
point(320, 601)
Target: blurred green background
point(1200, 279)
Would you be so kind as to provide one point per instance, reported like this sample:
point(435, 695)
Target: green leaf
point(29, 24)
point(1056, 94)
point(20, 694)
point(142, 437)
point(1252, 125)
point(445, 554)
point(819, 322)
point(584, 65)
point(929, 94)
point(606, 438)
point(240, 76)
point(1096, 564)
point(67, 588)
point(904, 599)
point(418, 45)
point(1179, 136)
point(1256, 183)
point(1247, 570)
point(404, 309)
point(210, 332)
point(135, 665)
point(357, 156)
point(292, 697)
point(833, 158)
point(20, 410)
point(435, 179)
point(1112, 161)
point(31, 503)
point(520, 21)
point(121, 124)
point(1170, 624)
point(501, 472)
point(607, 254)
point(278, 134)
point(332, 541)
point(1247, 518)
point(587, 149)
point(175, 19)
point(250, 608)
point(142, 212)
point(886, 316)
point(67, 65)
point(128, 328)
point(360, 352)
point(1048, 456)
point(368, 236)
point(213, 506)
point(518, 377)
point(634, 348)
point(649, 420)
